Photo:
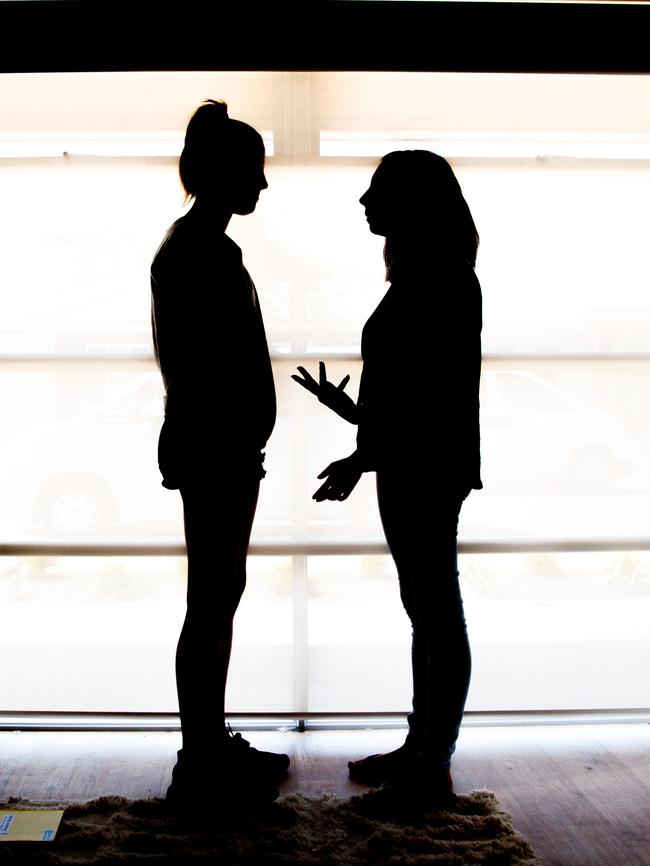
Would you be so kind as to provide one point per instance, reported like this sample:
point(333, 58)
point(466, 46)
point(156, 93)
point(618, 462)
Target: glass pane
point(561, 261)
point(312, 250)
point(79, 242)
point(325, 437)
point(565, 451)
point(558, 631)
point(99, 634)
point(359, 636)
point(74, 276)
point(566, 277)
point(79, 457)
point(555, 170)
point(548, 631)
point(127, 102)
point(481, 113)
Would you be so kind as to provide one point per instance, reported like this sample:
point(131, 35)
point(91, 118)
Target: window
point(554, 551)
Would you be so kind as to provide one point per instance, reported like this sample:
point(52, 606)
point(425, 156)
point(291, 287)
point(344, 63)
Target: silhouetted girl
point(220, 410)
point(418, 417)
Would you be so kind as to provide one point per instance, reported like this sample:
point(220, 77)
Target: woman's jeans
point(420, 520)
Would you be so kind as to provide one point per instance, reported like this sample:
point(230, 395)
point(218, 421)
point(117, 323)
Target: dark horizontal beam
point(97, 35)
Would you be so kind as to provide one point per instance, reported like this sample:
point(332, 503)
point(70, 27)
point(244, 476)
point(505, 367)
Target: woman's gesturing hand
point(342, 477)
point(330, 395)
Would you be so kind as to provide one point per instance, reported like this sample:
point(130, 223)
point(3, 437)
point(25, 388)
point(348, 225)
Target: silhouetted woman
point(220, 410)
point(418, 417)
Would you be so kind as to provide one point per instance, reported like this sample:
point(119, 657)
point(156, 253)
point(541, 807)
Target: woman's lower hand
point(331, 395)
point(342, 477)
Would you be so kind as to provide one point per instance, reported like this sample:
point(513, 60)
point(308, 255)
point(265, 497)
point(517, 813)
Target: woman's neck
point(210, 212)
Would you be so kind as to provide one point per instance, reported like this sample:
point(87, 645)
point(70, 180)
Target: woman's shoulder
point(187, 246)
point(185, 233)
point(176, 239)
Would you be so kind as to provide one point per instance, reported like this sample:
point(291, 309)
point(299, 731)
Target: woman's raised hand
point(330, 395)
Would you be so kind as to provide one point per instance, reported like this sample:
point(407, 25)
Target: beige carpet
point(293, 831)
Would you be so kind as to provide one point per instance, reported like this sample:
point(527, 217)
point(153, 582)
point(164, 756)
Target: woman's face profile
point(234, 178)
point(396, 201)
point(384, 203)
point(245, 185)
point(375, 202)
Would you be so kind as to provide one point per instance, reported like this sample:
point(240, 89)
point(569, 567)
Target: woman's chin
point(245, 208)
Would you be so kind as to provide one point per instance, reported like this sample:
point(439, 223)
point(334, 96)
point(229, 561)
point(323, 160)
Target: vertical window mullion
point(300, 636)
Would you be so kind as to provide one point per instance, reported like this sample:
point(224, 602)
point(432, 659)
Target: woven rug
point(293, 831)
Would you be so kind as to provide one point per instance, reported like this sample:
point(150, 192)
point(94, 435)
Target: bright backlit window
point(555, 551)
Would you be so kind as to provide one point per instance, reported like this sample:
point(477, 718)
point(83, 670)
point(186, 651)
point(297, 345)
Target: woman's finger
point(313, 389)
point(307, 374)
point(344, 381)
point(321, 493)
point(322, 373)
point(307, 382)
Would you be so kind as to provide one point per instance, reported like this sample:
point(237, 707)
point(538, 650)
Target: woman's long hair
point(431, 217)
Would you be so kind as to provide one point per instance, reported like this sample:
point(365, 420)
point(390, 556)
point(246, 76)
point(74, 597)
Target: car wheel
point(74, 512)
point(75, 505)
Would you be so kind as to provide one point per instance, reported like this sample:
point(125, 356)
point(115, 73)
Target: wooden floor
point(581, 794)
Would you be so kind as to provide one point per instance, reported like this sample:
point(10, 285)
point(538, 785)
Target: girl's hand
point(342, 477)
point(330, 395)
